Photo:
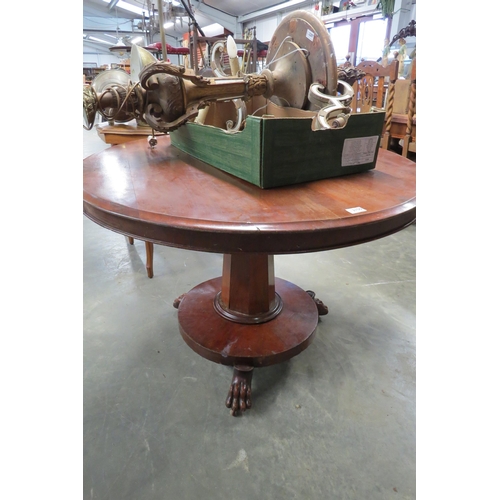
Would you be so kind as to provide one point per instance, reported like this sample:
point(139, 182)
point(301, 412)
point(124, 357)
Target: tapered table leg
point(149, 258)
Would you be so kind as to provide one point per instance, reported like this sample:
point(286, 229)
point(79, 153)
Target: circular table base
point(229, 343)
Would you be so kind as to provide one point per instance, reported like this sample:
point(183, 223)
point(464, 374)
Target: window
point(340, 39)
point(371, 40)
point(363, 38)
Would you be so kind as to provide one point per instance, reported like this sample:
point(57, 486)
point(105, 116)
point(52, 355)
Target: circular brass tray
point(307, 32)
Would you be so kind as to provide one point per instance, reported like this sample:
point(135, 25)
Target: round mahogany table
point(247, 317)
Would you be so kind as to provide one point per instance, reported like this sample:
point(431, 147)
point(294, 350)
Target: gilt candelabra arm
point(179, 94)
point(175, 94)
point(300, 57)
point(218, 50)
point(117, 102)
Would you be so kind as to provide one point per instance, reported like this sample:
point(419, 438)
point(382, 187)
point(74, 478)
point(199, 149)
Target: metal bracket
point(334, 110)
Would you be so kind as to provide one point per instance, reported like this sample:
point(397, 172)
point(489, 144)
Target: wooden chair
point(401, 123)
point(149, 256)
point(410, 138)
point(376, 88)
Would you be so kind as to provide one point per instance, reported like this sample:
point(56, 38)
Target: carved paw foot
point(177, 301)
point(322, 309)
point(239, 397)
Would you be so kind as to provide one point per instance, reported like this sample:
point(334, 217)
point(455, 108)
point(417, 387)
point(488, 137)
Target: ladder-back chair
point(375, 88)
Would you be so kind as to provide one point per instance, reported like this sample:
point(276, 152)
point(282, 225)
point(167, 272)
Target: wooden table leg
point(149, 255)
point(247, 318)
point(149, 258)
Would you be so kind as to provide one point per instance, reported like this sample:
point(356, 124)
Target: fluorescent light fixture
point(168, 24)
point(291, 3)
point(137, 39)
point(213, 29)
point(93, 38)
point(131, 8)
point(269, 10)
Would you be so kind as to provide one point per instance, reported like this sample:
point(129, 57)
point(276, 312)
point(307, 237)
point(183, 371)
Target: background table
point(123, 132)
point(247, 318)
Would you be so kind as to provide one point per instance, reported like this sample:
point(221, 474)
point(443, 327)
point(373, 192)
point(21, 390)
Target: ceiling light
point(98, 40)
point(290, 3)
point(121, 47)
point(213, 29)
point(131, 8)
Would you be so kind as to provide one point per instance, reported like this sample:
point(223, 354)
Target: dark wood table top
point(168, 197)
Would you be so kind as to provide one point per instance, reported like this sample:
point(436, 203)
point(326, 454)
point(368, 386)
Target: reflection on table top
point(168, 197)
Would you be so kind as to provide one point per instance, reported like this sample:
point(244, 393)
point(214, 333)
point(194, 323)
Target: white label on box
point(310, 35)
point(355, 210)
point(359, 150)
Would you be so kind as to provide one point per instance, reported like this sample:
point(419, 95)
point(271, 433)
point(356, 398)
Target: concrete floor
point(335, 422)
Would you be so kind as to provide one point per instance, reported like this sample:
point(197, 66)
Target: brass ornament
point(300, 72)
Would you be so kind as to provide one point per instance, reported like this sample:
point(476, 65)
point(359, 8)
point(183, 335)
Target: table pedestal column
point(248, 293)
point(247, 318)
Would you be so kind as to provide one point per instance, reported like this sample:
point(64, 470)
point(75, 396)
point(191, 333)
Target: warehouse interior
point(129, 411)
point(338, 421)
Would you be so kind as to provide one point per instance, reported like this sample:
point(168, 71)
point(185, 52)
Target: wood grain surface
point(168, 197)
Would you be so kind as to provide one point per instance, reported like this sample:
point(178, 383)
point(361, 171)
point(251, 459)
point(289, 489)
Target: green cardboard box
point(279, 147)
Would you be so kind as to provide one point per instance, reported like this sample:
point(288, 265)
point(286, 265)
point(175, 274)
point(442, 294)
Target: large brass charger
point(297, 31)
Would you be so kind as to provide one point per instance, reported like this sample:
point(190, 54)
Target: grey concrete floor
point(335, 422)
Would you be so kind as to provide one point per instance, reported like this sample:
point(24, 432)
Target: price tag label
point(355, 210)
point(359, 151)
point(310, 35)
